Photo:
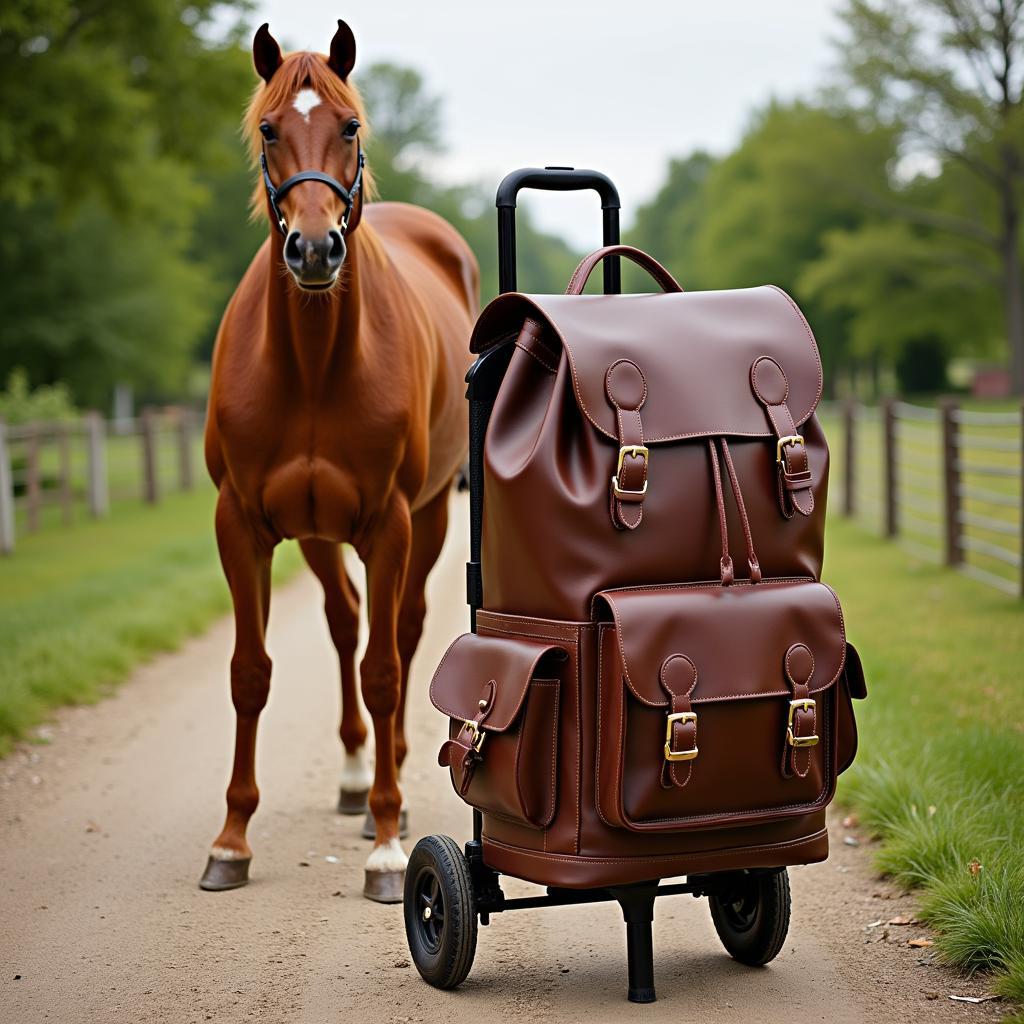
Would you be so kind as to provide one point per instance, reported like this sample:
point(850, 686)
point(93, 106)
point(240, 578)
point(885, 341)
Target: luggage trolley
point(448, 891)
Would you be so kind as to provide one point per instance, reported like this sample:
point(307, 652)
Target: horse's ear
point(343, 51)
point(266, 54)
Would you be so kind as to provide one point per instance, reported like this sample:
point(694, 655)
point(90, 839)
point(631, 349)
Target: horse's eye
point(349, 131)
point(267, 132)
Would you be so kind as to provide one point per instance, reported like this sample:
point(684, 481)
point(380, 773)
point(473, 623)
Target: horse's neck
point(315, 333)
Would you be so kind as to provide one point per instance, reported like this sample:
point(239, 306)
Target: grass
point(80, 607)
point(939, 775)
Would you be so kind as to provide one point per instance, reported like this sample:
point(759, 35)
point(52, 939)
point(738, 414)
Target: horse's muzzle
point(315, 262)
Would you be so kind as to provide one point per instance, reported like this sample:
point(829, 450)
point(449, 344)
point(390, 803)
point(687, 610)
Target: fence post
point(99, 495)
point(6, 495)
point(850, 457)
point(64, 452)
point(150, 481)
point(951, 483)
point(890, 499)
point(185, 423)
point(1022, 499)
point(33, 490)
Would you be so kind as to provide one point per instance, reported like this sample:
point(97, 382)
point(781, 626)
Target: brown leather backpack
point(658, 683)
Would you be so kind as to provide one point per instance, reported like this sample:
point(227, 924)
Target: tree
point(948, 77)
point(117, 126)
point(668, 225)
point(767, 208)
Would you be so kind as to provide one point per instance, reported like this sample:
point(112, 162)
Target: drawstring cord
point(727, 570)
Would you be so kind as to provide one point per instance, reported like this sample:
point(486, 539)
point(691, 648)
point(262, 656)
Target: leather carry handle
point(579, 277)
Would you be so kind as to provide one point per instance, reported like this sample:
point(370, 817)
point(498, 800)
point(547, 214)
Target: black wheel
point(751, 915)
point(440, 912)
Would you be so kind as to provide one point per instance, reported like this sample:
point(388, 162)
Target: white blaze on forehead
point(305, 100)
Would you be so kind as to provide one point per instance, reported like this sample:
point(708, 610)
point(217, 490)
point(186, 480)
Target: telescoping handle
point(555, 179)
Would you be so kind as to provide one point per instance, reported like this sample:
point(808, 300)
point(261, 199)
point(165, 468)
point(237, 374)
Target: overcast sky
point(616, 86)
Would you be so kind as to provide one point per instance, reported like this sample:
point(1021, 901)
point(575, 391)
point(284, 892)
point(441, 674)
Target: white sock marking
point(223, 853)
point(388, 857)
point(305, 100)
point(356, 776)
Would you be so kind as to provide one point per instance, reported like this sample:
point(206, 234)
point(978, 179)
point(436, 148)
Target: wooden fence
point(51, 473)
point(947, 482)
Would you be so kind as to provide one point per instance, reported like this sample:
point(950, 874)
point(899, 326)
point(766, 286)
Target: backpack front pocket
point(717, 706)
point(502, 697)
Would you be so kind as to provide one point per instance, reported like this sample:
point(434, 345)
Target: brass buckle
point(637, 451)
point(679, 755)
point(806, 704)
point(782, 442)
point(476, 732)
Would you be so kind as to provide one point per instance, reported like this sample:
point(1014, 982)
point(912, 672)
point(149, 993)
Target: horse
point(335, 416)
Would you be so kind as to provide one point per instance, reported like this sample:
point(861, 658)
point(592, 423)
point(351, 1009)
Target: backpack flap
point(649, 370)
point(718, 705)
point(502, 698)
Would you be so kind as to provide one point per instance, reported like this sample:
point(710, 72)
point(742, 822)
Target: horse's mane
point(305, 70)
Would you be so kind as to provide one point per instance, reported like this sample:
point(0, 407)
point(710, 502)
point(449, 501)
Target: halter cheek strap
point(275, 193)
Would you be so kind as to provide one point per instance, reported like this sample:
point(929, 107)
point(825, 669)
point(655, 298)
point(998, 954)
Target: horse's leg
point(429, 526)
point(246, 559)
point(341, 605)
point(387, 559)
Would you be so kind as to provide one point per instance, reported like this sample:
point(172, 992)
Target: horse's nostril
point(292, 251)
point(336, 249)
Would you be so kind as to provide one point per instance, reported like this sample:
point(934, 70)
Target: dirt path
point(104, 835)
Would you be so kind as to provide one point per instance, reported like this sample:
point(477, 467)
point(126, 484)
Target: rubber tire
point(444, 959)
point(753, 929)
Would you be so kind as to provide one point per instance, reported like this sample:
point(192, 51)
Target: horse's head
point(304, 129)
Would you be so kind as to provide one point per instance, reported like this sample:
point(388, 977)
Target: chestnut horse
point(336, 415)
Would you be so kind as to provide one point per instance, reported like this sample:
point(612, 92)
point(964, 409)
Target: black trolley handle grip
point(554, 179)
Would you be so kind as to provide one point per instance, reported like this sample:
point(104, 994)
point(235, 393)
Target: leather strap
point(626, 390)
point(586, 266)
point(678, 677)
point(801, 722)
point(464, 751)
point(771, 388)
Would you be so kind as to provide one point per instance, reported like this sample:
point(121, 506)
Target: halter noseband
point(275, 193)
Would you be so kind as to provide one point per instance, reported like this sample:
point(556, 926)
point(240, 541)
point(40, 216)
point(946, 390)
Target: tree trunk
point(1013, 286)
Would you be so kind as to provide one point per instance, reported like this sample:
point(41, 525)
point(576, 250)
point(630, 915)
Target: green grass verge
point(941, 764)
point(81, 606)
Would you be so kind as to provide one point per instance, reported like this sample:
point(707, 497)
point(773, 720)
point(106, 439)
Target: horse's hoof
point(370, 826)
point(225, 874)
point(353, 801)
point(384, 886)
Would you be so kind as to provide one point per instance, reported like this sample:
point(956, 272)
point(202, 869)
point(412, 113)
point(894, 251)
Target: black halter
point(275, 193)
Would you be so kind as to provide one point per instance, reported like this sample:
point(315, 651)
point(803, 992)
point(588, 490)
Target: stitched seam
point(436, 701)
point(666, 858)
point(757, 389)
point(570, 632)
point(602, 631)
point(578, 802)
point(814, 345)
point(536, 355)
point(608, 388)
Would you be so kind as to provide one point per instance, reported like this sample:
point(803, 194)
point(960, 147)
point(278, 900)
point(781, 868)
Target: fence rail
point(51, 473)
point(946, 482)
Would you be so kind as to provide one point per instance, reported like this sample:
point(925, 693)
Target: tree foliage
point(115, 117)
point(947, 77)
